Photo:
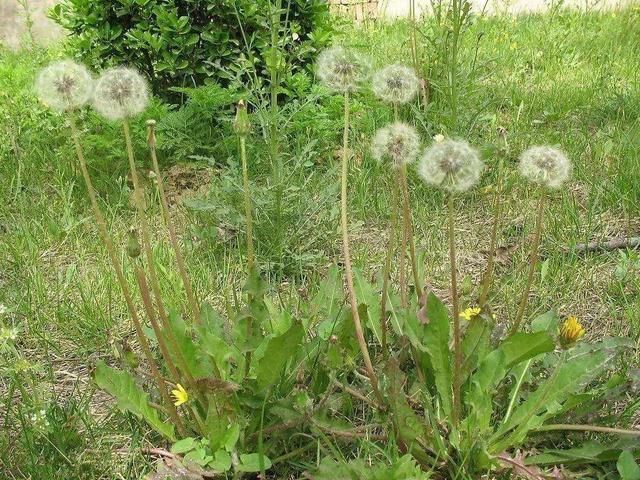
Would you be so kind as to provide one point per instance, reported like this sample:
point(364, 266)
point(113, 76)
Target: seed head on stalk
point(545, 166)
point(342, 69)
point(396, 84)
point(397, 142)
point(120, 93)
point(64, 85)
point(452, 165)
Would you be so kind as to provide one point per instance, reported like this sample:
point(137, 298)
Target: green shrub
point(187, 43)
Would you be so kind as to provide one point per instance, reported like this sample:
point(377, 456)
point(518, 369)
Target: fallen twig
point(607, 245)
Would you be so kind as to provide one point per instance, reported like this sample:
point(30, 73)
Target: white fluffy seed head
point(395, 84)
point(546, 166)
point(399, 143)
point(64, 85)
point(342, 69)
point(120, 93)
point(452, 165)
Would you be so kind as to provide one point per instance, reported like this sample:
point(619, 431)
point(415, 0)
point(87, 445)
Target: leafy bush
point(187, 43)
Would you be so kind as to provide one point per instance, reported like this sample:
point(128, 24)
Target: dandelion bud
point(64, 85)
point(545, 166)
point(397, 142)
point(395, 84)
point(120, 93)
point(241, 124)
point(342, 69)
point(570, 332)
point(133, 245)
point(452, 165)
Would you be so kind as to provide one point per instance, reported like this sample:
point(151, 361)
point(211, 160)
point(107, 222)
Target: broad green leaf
point(627, 466)
point(278, 352)
point(436, 343)
point(230, 437)
point(368, 303)
point(131, 397)
point(479, 397)
point(547, 322)
point(197, 362)
point(250, 462)
point(221, 461)
point(590, 452)
point(185, 445)
point(522, 346)
point(569, 376)
point(475, 343)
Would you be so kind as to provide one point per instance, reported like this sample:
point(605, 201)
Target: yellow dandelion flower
point(469, 313)
point(180, 395)
point(570, 332)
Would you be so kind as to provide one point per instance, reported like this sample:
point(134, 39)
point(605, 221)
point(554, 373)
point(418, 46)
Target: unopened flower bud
point(133, 245)
point(241, 124)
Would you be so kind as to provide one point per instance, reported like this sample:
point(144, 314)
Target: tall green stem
point(457, 350)
point(404, 302)
point(173, 238)
point(111, 251)
point(488, 273)
point(533, 260)
point(251, 262)
point(347, 255)
point(409, 229)
point(393, 225)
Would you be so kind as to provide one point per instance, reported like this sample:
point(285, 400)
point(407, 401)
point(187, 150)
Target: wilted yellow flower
point(570, 332)
point(180, 395)
point(470, 312)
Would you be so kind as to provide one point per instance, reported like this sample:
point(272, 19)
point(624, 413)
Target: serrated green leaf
point(131, 397)
point(250, 462)
point(278, 352)
point(627, 466)
point(436, 343)
point(522, 346)
point(185, 445)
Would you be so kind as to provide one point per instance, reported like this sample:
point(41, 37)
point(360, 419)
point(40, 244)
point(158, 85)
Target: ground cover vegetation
point(375, 267)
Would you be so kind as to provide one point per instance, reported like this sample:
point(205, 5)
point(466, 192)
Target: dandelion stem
point(111, 251)
point(251, 262)
point(533, 260)
point(347, 255)
point(457, 350)
point(409, 229)
point(497, 214)
point(148, 253)
point(173, 238)
point(393, 224)
point(403, 248)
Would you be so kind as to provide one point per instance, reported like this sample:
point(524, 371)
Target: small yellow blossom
point(180, 395)
point(439, 138)
point(570, 332)
point(470, 312)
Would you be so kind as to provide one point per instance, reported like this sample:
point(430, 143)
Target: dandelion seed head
point(546, 166)
point(64, 85)
point(120, 93)
point(452, 165)
point(341, 69)
point(395, 84)
point(397, 142)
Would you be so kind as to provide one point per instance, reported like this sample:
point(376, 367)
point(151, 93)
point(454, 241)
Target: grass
point(562, 78)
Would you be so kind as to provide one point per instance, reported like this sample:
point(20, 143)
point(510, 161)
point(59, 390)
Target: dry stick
point(347, 255)
point(587, 428)
point(533, 259)
point(146, 246)
point(608, 245)
point(387, 269)
point(102, 225)
point(409, 229)
point(457, 350)
point(173, 238)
